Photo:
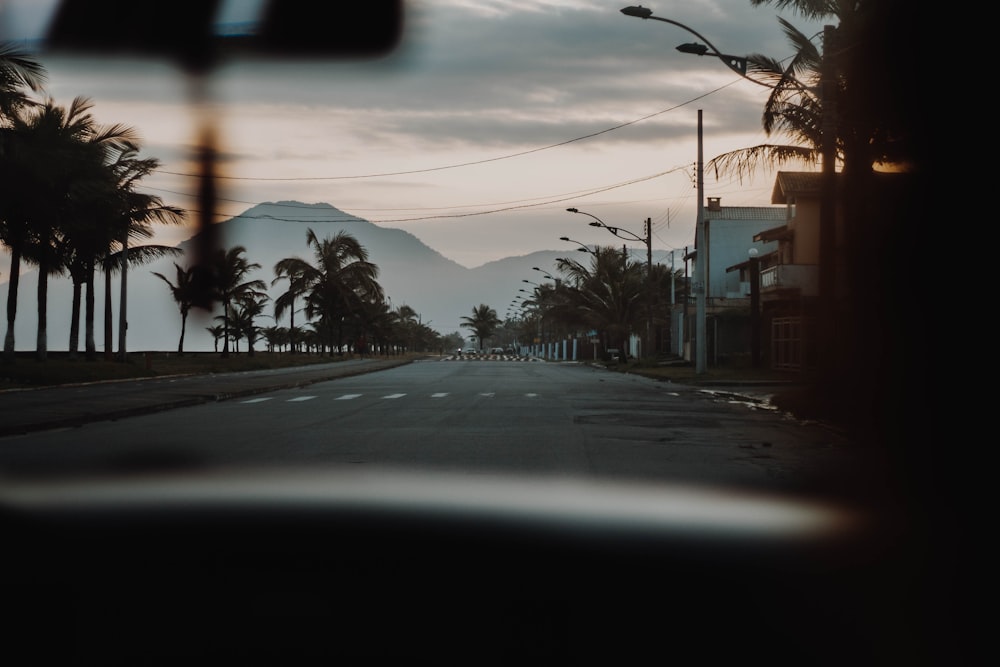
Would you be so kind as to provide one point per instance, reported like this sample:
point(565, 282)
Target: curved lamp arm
point(736, 63)
point(632, 236)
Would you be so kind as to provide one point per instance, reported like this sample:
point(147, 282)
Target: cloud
point(483, 102)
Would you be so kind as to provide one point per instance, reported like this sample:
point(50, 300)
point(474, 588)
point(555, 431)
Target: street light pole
point(701, 259)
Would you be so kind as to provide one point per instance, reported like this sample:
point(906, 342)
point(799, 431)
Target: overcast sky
point(476, 134)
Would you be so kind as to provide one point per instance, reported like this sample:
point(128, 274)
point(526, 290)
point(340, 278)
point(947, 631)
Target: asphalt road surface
point(470, 416)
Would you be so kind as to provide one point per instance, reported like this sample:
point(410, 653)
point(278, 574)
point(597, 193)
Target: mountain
point(411, 273)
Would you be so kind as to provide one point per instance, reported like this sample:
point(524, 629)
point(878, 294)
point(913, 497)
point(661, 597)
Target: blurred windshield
point(529, 259)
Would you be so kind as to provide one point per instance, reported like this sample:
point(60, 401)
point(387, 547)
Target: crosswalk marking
point(347, 397)
point(301, 398)
point(257, 400)
point(394, 396)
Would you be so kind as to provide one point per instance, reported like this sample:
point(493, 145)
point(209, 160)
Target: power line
point(464, 164)
point(558, 199)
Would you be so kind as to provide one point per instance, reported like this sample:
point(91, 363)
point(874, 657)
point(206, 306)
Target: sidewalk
point(66, 406)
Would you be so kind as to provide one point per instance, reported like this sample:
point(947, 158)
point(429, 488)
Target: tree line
point(71, 206)
point(611, 294)
point(337, 293)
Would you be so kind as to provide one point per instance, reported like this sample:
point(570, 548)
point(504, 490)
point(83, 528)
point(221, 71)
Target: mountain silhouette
point(440, 290)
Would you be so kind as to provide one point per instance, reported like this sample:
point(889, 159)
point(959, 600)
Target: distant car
point(497, 350)
point(469, 350)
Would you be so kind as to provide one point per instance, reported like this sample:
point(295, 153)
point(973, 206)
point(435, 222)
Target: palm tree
point(217, 331)
point(379, 324)
point(184, 295)
point(19, 75)
point(869, 128)
point(337, 284)
point(275, 337)
point(133, 217)
point(64, 147)
point(64, 190)
point(248, 306)
point(232, 269)
point(483, 321)
point(608, 295)
point(112, 264)
point(15, 222)
point(94, 225)
point(295, 271)
point(405, 325)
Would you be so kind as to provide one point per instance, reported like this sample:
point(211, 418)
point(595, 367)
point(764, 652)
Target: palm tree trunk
point(180, 343)
point(15, 275)
point(74, 322)
point(225, 328)
point(89, 342)
point(41, 338)
point(123, 302)
point(108, 316)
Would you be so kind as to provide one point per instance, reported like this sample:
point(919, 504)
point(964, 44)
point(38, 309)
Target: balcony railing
point(803, 277)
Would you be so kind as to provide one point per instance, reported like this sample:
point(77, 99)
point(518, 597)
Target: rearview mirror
point(199, 33)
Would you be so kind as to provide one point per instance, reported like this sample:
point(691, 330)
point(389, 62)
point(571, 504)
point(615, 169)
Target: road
point(485, 416)
point(448, 510)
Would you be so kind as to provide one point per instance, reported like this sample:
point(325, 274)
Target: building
point(730, 238)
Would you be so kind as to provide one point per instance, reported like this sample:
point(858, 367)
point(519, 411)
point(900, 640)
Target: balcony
point(803, 279)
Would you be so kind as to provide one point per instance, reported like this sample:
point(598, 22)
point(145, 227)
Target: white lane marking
point(301, 398)
point(441, 395)
point(531, 395)
point(257, 400)
point(489, 394)
point(394, 396)
point(347, 397)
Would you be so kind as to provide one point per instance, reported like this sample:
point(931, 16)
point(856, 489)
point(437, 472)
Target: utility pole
point(754, 271)
point(826, 321)
point(649, 288)
point(701, 259)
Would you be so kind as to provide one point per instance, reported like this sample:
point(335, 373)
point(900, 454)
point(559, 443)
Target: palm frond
point(138, 256)
point(744, 162)
point(21, 68)
point(810, 9)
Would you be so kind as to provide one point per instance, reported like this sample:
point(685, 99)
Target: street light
point(582, 248)
point(648, 240)
point(736, 63)
point(550, 277)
